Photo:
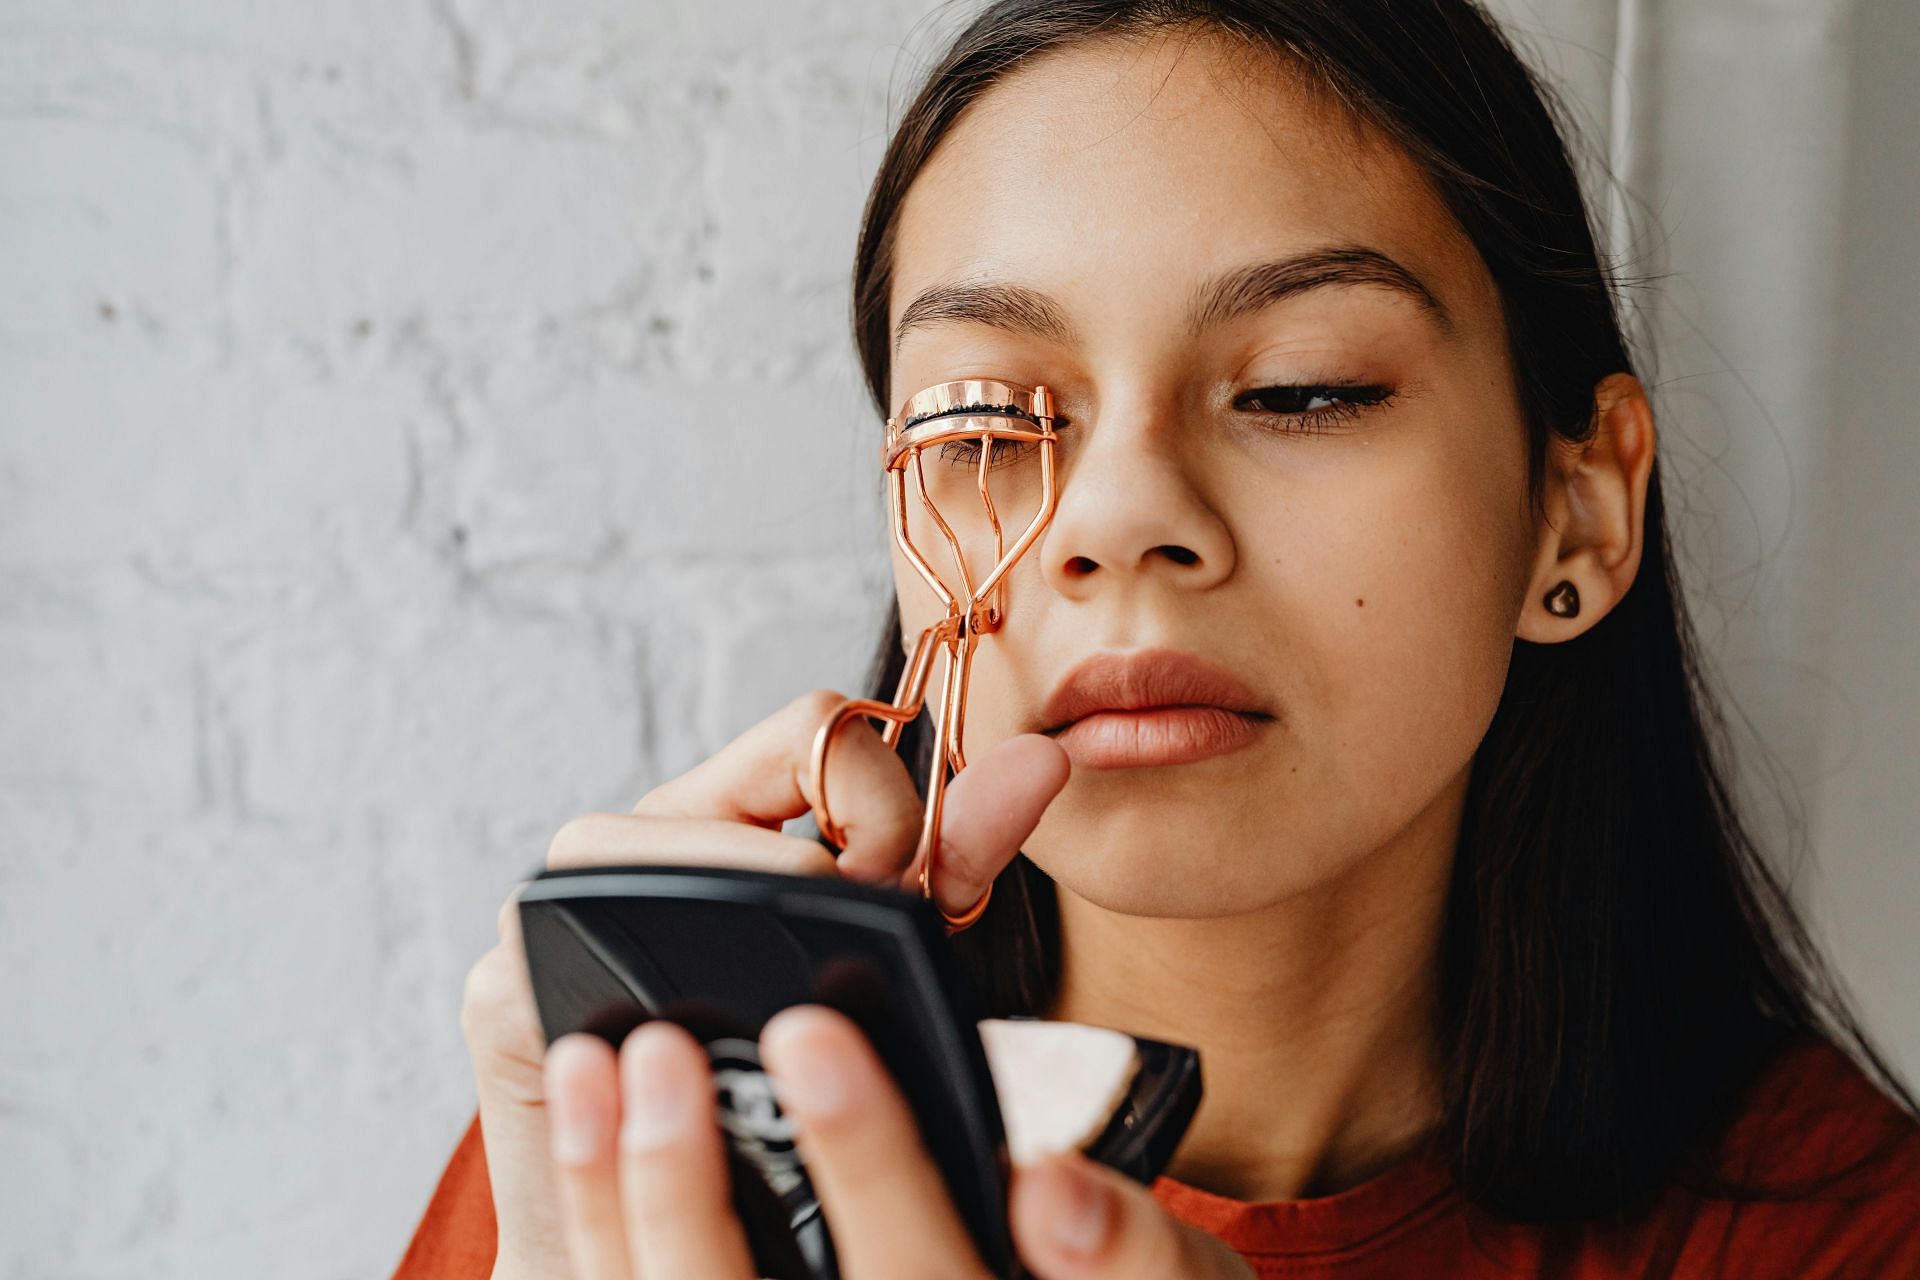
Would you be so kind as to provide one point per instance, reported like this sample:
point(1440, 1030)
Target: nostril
point(1081, 566)
point(1180, 555)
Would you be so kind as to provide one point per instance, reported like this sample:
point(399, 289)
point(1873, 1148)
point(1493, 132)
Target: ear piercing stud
point(1563, 601)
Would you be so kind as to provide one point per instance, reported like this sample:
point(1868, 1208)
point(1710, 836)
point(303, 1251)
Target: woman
point(1344, 723)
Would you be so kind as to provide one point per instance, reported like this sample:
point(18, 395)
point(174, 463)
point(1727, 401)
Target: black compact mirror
point(720, 951)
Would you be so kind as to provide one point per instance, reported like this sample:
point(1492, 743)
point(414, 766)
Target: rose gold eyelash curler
point(998, 418)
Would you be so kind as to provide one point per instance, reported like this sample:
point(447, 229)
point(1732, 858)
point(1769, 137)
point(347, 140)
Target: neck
point(1315, 1016)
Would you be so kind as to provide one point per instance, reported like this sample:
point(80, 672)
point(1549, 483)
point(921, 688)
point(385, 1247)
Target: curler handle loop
point(908, 699)
point(965, 920)
point(896, 717)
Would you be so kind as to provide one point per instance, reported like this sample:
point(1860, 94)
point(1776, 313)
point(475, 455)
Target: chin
point(1137, 868)
point(1183, 856)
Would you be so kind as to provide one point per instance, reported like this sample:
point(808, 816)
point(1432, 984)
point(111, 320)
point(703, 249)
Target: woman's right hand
point(727, 811)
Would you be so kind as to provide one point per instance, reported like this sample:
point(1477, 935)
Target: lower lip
point(1155, 736)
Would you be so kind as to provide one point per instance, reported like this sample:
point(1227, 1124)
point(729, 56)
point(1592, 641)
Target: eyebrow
point(1229, 296)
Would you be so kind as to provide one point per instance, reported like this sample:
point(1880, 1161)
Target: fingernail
point(655, 1107)
point(807, 1074)
point(1083, 1208)
point(577, 1132)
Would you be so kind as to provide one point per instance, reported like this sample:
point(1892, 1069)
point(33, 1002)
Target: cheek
point(1005, 685)
point(919, 607)
point(1001, 690)
point(991, 695)
point(1414, 578)
point(950, 513)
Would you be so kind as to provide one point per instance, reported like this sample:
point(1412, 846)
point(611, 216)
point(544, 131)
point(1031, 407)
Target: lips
point(1151, 707)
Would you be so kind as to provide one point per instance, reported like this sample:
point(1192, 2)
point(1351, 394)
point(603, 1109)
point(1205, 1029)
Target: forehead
point(1119, 169)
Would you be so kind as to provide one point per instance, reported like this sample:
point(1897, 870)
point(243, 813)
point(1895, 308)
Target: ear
point(1595, 510)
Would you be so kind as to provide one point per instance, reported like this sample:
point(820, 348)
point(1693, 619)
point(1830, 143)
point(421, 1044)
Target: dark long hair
point(1619, 959)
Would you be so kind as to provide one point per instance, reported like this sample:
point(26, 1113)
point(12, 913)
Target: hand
point(652, 1203)
point(727, 811)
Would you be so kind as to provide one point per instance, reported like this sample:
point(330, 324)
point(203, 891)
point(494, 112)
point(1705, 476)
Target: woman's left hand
point(641, 1170)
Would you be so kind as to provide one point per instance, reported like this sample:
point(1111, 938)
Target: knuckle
point(806, 858)
point(1152, 1245)
point(497, 1016)
point(881, 813)
point(662, 798)
point(594, 839)
point(895, 821)
point(1199, 1254)
point(568, 841)
point(660, 1199)
point(814, 705)
point(598, 839)
point(488, 991)
point(760, 852)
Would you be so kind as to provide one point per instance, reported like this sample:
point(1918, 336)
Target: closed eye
point(1309, 407)
point(977, 410)
point(967, 451)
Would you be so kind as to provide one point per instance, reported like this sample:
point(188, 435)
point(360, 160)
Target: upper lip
point(1140, 680)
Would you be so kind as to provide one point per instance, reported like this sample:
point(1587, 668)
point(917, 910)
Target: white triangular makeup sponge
point(1058, 1082)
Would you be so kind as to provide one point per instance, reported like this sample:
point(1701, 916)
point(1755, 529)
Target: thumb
point(1074, 1218)
point(991, 806)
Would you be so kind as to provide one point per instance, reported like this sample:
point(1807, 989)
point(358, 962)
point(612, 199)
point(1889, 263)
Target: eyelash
point(967, 452)
point(1350, 401)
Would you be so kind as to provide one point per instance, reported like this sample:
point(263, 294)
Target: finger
point(764, 777)
point(886, 1204)
point(1074, 1218)
point(992, 806)
point(507, 921)
point(674, 1186)
point(498, 1017)
point(583, 1107)
point(607, 839)
point(505, 1047)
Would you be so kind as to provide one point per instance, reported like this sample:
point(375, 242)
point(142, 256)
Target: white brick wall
point(420, 422)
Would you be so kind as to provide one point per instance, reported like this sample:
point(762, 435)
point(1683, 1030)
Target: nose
point(1130, 514)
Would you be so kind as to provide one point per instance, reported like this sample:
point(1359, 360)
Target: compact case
point(720, 951)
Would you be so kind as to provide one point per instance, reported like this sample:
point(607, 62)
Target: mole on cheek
point(1360, 602)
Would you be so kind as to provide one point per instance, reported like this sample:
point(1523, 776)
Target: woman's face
point(1358, 559)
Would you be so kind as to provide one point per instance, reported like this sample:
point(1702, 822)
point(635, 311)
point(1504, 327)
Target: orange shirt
point(1811, 1112)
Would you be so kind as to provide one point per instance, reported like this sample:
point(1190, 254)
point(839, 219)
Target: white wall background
point(386, 392)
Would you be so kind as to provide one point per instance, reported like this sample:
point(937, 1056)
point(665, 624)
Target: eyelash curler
point(995, 417)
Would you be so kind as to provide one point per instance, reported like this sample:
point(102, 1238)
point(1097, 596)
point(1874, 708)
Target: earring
point(1563, 601)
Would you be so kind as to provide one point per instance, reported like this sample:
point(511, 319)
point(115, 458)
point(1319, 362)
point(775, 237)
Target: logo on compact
point(750, 1115)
